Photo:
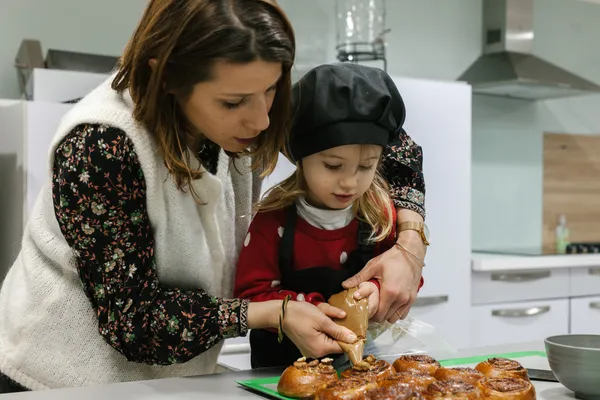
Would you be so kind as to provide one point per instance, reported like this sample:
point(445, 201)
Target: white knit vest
point(48, 330)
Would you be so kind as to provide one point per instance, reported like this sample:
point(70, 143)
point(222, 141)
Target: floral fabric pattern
point(99, 198)
point(403, 170)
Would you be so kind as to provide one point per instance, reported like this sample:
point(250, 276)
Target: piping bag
point(357, 320)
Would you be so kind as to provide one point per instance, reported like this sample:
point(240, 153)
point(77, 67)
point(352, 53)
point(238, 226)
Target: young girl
point(324, 223)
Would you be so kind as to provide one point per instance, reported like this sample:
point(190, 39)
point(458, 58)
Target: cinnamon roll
point(345, 389)
point(416, 363)
point(417, 381)
point(502, 367)
point(451, 389)
point(370, 368)
point(465, 374)
point(506, 389)
point(398, 392)
point(302, 379)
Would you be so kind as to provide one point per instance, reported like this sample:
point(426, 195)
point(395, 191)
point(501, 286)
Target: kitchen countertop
point(224, 386)
point(488, 262)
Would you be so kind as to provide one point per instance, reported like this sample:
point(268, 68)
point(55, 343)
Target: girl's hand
point(370, 291)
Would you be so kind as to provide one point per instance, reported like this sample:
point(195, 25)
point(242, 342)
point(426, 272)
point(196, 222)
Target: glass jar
point(360, 26)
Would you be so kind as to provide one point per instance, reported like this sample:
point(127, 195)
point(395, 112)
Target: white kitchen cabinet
point(443, 130)
point(584, 281)
point(439, 312)
point(507, 286)
point(572, 279)
point(585, 315)
point(496, 324)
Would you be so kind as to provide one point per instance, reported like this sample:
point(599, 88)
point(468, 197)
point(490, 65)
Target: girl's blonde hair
point(374, 206)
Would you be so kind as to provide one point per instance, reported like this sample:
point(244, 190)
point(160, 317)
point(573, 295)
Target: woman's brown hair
point(187, 37)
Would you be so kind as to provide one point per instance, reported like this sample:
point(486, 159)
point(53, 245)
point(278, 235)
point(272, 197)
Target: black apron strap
point(358, 259)
point(366, 246)
point(286, 247)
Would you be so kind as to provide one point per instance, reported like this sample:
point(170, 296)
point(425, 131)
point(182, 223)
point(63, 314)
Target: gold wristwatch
point(420, 227)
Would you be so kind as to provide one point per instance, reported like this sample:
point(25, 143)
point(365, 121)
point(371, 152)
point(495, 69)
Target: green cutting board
point(268, 386)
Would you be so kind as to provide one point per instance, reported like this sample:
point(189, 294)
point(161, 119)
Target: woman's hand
point(399, 275)
point(312, 330)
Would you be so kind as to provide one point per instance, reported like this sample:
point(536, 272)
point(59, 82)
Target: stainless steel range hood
point(508, 68)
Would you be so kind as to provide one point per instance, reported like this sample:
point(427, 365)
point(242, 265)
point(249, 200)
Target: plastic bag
point(408, 336)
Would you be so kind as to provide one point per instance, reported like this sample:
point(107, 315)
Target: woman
point(149, 200)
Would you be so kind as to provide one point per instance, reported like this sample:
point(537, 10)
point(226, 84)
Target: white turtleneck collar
point(324, 219)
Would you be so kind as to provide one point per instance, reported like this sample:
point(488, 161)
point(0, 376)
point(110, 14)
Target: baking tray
point(529, 359)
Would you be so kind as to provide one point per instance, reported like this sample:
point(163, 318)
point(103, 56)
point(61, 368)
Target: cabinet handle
point(520, 312)
point(430, 301)
point(521, 276)
point(595, 305)
point(594, 271)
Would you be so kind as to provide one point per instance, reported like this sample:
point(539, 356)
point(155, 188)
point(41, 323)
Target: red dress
point(285, 255)
point(258, 275)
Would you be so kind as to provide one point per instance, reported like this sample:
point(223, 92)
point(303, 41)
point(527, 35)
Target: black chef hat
point(344, 103)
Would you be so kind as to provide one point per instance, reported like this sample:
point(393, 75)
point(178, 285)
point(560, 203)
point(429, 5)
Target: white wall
point(101, 27)
point(431, 39)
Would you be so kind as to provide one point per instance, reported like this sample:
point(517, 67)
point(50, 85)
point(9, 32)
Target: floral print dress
point(99, 199)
